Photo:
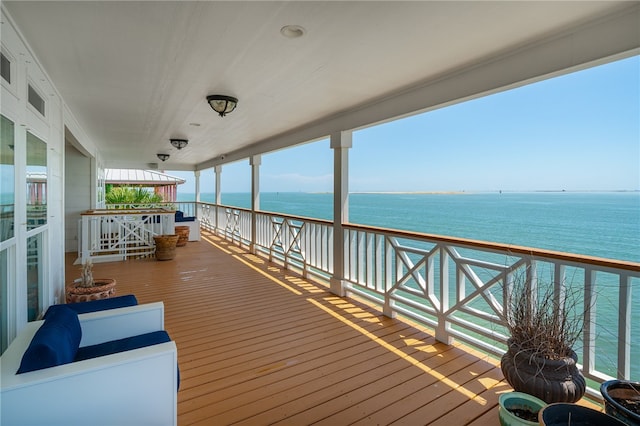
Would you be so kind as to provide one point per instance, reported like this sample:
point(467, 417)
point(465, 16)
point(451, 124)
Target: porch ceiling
point(135, 74)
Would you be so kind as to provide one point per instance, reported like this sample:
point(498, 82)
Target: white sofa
point(194, 229)
point(135, 387)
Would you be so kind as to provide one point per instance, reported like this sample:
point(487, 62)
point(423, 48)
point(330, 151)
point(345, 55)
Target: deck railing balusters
point(457, 286)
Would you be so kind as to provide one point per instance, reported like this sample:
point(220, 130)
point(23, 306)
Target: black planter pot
point(614, 390)
point(549, 380)
point(564, 414)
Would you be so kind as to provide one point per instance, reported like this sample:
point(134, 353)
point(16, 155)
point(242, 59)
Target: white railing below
point(108, 235)
point(459, 286)
point(454, 285)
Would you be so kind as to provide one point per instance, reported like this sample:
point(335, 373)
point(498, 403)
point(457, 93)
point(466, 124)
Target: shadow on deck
point(261, 345)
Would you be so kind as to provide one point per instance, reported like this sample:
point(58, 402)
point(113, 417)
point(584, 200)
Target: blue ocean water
point(597, 224)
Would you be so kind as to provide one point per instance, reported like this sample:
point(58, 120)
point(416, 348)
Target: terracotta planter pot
point(183, 235)
point(165, 246)
point(103, 288)
point(549, 380)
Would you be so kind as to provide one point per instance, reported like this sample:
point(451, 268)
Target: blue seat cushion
point(122, 345)
point(186, 219)
point(55, 343)
point(97, 305)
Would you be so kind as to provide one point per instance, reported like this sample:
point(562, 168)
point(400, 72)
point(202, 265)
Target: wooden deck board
point(261, 345)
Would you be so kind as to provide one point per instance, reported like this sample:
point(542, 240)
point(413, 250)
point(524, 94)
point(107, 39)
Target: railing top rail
point(521, 250)
point(470, 243)
point(119, 212)
point(284, 215)
point(302, 218)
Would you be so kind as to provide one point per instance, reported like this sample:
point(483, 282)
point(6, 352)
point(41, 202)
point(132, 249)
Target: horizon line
point(445, 192)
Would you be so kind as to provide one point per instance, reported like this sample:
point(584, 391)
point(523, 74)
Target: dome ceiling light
point(222, 104)
point(163, 157)
point(179, 143)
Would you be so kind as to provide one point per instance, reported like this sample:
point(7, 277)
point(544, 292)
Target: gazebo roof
point(140, 177)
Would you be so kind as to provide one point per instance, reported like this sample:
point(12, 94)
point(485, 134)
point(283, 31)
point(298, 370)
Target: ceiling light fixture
point(163, 157)
point(222, 104)
point(179, 143)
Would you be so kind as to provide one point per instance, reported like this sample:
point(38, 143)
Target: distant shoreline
point(495, 191)
point(413, 192)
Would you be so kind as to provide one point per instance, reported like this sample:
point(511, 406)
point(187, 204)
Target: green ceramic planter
point(518, 401)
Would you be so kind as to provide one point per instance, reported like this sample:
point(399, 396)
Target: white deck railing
point(188, 208)
point(458, 287)
point(107, 235)
point(454, 285)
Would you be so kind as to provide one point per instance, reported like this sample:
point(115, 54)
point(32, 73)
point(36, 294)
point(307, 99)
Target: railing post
point(442, 330)
point(388, 308)
point(340, 143)
point(255, 162)
point(624, 328)
point(589, 330)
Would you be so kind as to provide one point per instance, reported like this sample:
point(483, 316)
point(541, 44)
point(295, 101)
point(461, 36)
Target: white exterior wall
point(26, 70)
point(78, 194)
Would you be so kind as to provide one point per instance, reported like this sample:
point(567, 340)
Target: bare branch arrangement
point(541, 320)
point(86, 274)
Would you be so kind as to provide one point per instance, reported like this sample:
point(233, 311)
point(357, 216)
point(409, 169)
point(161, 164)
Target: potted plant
point(519, 409)
point(87, 288)
point(165, 246)
point(622, 400)
point(543, 323)
point(567, 414)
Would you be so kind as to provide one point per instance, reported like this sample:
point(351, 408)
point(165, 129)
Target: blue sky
point(580, 131)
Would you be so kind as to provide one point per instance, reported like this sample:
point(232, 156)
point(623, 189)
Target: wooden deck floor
point(258, 345)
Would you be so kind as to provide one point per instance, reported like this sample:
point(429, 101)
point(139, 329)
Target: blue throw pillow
point(55, 343)
point(96, 305)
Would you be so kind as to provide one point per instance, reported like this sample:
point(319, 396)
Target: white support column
point(196, 174)
point(340, 143)
point(93, 195)
point(196, 207)
point(218, 173)
point(255, 162)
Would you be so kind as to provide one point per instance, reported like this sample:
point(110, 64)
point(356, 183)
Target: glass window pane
point(34, 276)
point(36, 100)
point(5, 68)
point(36, 182)
point(7, 179)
